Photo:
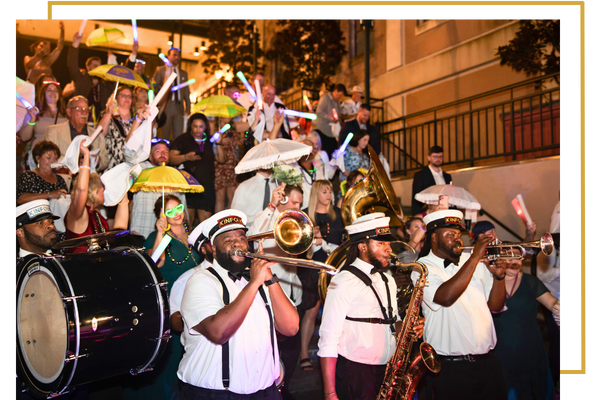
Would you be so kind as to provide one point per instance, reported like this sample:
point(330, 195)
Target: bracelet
point(84, 166)
point(271, 206)
point(29, 123)
point(500, 279)
point(139, 120)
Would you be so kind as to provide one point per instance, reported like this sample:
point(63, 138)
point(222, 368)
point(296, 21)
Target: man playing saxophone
point(359, 315)
point(456, 304)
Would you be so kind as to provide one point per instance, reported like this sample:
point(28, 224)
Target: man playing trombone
point(230, 315)
point(456, 304)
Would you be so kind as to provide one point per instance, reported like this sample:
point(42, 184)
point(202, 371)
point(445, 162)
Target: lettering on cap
point(38, 210)
point(383, 231)
point(228, 221)
point(453, 220)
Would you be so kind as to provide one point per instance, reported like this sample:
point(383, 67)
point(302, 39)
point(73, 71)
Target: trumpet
point(515, 251)
point(293, 232)
point(287, 260)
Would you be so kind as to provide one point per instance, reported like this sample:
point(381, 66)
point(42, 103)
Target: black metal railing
point(510, 123)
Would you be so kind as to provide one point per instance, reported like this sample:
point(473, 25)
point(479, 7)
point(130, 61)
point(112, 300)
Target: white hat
point(444, 219)
point(374, 226)
point(196, 238)
point(223, 221)
point(356, 89)
point(34, 211)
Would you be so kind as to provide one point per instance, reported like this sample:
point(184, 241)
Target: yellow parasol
point(103, 36)
point(118, 73)
point(166, 179)
point(218, 106)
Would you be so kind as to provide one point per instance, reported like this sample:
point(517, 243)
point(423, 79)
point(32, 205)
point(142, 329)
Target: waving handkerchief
point(71, 157)
point(117, 182)
point(140, 141)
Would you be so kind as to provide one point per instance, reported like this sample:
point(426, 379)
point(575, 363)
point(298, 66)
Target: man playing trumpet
point(456, 304)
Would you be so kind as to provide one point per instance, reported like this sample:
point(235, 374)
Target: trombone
point(294, 234)
point(506, 250)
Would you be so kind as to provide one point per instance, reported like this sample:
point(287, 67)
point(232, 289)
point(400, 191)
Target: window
point(357, 39)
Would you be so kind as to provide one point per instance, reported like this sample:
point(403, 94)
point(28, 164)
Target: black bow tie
point(239, 274)
point(447, 262)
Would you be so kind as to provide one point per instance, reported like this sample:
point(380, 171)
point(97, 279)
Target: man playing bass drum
point(360, 314)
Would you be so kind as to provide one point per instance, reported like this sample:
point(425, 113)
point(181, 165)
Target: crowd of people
point(230, 335)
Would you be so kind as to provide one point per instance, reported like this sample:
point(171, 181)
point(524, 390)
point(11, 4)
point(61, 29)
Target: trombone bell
point(293, 232)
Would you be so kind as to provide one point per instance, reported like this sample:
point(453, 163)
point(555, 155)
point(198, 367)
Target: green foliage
point(535, 48)
point(310, 51)
point(231, 44)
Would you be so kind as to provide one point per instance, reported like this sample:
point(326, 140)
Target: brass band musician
point(357, 329)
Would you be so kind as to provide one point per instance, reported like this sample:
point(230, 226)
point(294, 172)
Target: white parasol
point(457, 196)
point(272, 152)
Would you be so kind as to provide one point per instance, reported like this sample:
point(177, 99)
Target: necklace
point(509, 295)
point(310, 173)
point(97, 225)
point(188, 246)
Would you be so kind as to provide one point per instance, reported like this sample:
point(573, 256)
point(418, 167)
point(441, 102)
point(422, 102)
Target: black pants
point(191, 392)
point(289, 352)
point(356, 381)
point(328, 144)
point(481, 379)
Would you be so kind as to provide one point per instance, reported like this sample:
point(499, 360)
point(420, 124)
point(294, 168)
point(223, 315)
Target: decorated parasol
point(166, 179)
point(218, 106)
point(271, 152)
point(119, 74)
point(457, 196)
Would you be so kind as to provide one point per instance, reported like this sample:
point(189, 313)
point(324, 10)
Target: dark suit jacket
point(353, 126)
point(159, 78)
point(421, 181)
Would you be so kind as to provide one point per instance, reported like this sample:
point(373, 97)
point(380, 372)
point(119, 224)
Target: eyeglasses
point(171, 212)
point(126, 96)
point(81, 110)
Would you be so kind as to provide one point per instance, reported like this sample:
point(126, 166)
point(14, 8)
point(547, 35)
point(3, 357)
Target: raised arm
point(59, 46)
point(73, 57)
point(76, 210)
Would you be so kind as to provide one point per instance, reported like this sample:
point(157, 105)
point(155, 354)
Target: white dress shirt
point(361, 342)
point(466, 327)
point(287, 274)
point(249, 196)
point(251, 363)
point(438, 176)
point(178, 288)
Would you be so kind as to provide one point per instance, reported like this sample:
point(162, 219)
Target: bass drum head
point(41, 326)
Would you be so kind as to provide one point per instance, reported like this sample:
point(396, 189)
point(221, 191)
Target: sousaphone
point(374, 193)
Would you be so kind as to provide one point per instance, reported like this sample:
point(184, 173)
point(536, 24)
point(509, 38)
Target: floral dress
point(354, 161)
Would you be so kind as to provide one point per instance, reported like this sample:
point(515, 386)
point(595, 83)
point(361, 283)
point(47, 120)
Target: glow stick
point(217, 134)
point(24, 102)
point(182, 85)
point(240, 75)
point(258, 94)
point(300, 114)
point(116, 87)
point(150, 96)
point(335, 116)
point(165, 59)
point(307, 103)
point(340, 151)
point(82, 27)
point(161, 247)
point(134, 29)
point(519, 206)
point(164, 89)
point(90, 139)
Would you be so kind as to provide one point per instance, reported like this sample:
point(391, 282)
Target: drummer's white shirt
point(25, 253)
point(251, 364)
point(361, 342)
point(466, 327)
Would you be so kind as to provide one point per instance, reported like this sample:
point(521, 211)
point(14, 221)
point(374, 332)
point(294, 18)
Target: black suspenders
point(389, 318)
point(225, 346)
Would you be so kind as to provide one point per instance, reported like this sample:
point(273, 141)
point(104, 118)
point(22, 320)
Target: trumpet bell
point(547, 243)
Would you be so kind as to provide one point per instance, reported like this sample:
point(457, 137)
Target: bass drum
point(88, 316)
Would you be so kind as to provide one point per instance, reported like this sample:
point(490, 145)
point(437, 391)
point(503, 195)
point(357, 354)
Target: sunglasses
point(171, 212)
point(160, 140)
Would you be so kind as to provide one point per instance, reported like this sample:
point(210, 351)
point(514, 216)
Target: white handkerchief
point(260, 129)
point(117, 182)
point(71, 157)
point(339, 162)
point(335, 129)
point(140, 141)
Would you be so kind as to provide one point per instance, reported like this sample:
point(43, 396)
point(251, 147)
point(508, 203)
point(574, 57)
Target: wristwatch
point(271, 281)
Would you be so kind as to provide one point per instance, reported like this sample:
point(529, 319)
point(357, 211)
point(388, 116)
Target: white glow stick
point(161, 247)
point(164, 89)
point(165, 59)
point(300, 114)
point(134, 29)
point(182, 85)
point(82, 27)
point(258, 94)
point(240, 75)
point(116, 87)
point(217, 134)
point(335, 116)
point(89, 140)
point(24, 102)
point(150, 96)
point(341, 150)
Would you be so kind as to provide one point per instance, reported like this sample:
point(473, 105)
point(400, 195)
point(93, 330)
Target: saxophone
point(402, 375)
